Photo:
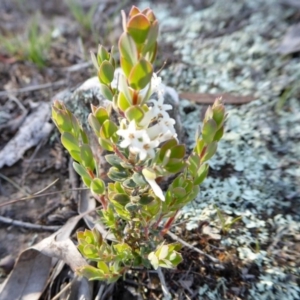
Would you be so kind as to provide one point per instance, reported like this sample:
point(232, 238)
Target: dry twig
point(203, 98)
point(35, 88)
point(27, 225)
point(178, 239)
point(166, 292)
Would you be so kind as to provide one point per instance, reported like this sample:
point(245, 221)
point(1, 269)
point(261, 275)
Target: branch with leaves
point(144, 150)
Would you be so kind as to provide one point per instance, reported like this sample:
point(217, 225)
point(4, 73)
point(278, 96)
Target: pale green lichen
point(256, 168)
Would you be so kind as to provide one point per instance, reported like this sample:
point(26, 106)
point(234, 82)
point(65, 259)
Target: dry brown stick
point(78, 67)
point(178, 239)
point(68, 286)
point(37, 196)
point(203, 98)
point(34, 88)
point(27, 225)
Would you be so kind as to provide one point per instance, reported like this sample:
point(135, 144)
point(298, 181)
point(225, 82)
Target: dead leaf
point(202, 98)
point(7, 263)
point(291, 41)
point(30, 275)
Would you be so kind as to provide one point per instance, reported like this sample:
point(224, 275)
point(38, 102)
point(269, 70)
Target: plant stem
point(168, 224)
point(158, 221)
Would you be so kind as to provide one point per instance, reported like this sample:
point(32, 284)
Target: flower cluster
point(143, 150)
point(155, 127)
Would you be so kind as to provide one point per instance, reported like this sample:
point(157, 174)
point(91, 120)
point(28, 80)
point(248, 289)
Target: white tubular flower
point(159, 106)
point(156, 189)
point(138, 141)
point(164, 129)
point(155, 83)
point(150, 177)
point(167, 128)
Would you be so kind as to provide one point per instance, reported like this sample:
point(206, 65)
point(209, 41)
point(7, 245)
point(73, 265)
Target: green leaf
point(84, 136)
point(111, 57)
point(139, 179)
point(89, 251)
point(151, 54)
point(131, 207)
point(102, 54)
point(134, 113)
point(128, 49)
point(123, 103)
point(106, 91)
point(106, 72)
point(138, 27)
point(71, 144)
point(193, 163)
point(91, 273)
point(101, 114)
point(178, 152)
point(220, 216)
point(129, 183)
point(163, 252)
point(178, 192)
point(106, 144)
point(133, 11)
point(174, 165)
point(146, 199)
point(219, 134)
point(140, 74)
point(123, 87)
point(210, 151)
point(119, 188)
point(153, 260)
point(117, 174)
point(201, 174)
point(174, 247)
point(61, 119)
point(218, 113)
point(151, 209)
point(102, 266)
point(126, 65)
point(94, 123)
point(123, 213)
point(145, 96)
point(199, 146)
point(83, 173)
point(87, 158)
point(94, 60)
point(175, 259)
point(98, 186)
point(193, 194)
point(75, 125)
point(108, 130)
point(151, 38)
point(208, 114)
point(113, 160)
point(209, 130)
point(122, 199)
point(230, 224)
point(98, 239)
point(166, 146)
